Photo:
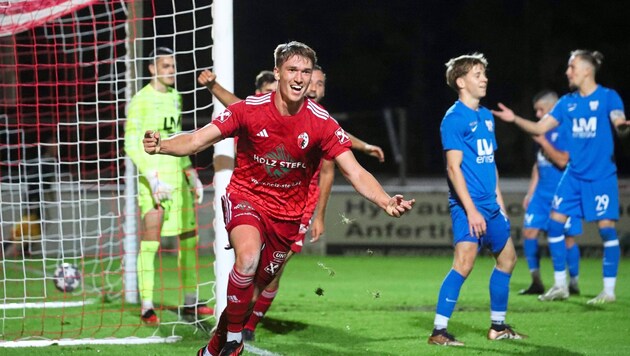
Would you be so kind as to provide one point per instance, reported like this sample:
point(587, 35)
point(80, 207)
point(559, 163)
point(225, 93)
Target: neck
point(587, 88)
point(285, 107)
point(158, 86)
point(469, 101)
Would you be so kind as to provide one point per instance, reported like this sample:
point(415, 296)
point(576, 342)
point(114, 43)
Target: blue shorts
point(591, 200)
point(537, 216)
point(497, 230)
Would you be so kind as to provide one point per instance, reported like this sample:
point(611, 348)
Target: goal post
point(68, 193)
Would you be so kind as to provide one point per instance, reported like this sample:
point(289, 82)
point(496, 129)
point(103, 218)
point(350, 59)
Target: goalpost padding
point(70, 67)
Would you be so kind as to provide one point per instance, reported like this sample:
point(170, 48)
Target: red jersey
point(277, 156)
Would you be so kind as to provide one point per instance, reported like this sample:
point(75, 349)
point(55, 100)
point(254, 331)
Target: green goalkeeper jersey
point(150, 109)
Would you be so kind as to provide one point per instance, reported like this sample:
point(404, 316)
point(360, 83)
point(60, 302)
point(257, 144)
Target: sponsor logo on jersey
point(490, 125)
point(554, 136)
point(303, 140)
point(485, 151)
point(593, 105)
point(571, 106)
point(263, 133)
point(279, 162)
point(342, 136)
point(473, 126)
point(279, 256)
point(243, 206)
point(584, 128)
point(222, 117)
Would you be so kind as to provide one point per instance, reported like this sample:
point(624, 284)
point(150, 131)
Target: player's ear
point(460, 82)
point(152, 69)
point(276, 73)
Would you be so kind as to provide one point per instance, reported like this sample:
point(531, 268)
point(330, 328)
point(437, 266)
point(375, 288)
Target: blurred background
point(391, 54)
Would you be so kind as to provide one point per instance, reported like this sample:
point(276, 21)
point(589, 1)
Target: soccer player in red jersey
point(282, 138)
point(319, 188)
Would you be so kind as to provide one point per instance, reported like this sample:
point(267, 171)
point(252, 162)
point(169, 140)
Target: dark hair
point(595, 58)
point(264, 77)
point(546, 94)
point(460, 66)
point(161, 51)
point(285, 51)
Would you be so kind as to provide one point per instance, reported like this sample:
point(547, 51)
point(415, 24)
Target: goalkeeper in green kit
point(167, 186)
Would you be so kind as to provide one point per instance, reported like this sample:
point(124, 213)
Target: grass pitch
point(385, 306)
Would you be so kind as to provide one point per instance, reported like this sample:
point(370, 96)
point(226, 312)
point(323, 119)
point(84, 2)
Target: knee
point(464, 266)
point(246, 262)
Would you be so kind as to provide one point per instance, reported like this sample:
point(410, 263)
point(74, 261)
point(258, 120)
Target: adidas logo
point(263, 133)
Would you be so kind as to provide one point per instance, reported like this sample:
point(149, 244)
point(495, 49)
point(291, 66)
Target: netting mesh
point(68, 70)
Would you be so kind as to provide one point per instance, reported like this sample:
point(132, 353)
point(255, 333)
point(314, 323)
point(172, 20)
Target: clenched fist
point(151, 142)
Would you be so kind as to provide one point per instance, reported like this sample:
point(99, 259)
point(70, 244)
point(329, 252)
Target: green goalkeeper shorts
point(179, 211)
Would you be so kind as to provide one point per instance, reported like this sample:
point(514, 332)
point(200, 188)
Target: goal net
point(70, 225)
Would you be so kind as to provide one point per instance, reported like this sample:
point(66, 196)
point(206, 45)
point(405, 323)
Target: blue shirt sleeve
point(452, 132)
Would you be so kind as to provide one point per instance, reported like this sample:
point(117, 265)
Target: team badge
point(342, 135)
point(594, 105)
point(303, 140)
point(222, 117)
point(490, 125)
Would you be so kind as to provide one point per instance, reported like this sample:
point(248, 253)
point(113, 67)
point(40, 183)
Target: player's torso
point(591, 144)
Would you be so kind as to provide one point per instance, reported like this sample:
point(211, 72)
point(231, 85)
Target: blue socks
point(530, 248)
point(573, 260)
point(557, 246)
point(611, 251)
point(499, 291)
point(449, 292)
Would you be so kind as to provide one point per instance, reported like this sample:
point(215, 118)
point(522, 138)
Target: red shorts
point(277, 236)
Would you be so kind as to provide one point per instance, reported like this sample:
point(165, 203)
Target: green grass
point(385, 306)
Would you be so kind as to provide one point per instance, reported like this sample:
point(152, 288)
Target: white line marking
point(258, 351)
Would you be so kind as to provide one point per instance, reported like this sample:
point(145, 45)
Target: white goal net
point(69, 219)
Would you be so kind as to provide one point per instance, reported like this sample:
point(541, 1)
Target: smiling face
point(294, 77)
point(475, 83)
point(317, 88)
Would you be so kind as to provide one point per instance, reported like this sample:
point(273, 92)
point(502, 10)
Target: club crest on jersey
point(594, 105)
point(303, 140)
point(490, 125)
point(222, 117)
point(342, 136)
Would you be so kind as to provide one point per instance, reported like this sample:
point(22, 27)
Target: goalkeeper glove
point(159, 190)
point(195, 183)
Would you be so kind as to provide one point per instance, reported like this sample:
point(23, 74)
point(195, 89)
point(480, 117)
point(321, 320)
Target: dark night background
point(391, 54)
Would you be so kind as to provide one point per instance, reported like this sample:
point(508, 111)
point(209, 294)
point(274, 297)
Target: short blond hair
point(460, 66)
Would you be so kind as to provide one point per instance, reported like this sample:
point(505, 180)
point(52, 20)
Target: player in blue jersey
point(588, 187)
point(552, 158)
point(475, 200)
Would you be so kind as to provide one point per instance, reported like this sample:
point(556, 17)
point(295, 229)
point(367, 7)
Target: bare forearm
point(226, 97)
point(558, 158)
point(366, 185)
point(528, 126)
point(185, 144)
point(456, 176)
point(326, 178)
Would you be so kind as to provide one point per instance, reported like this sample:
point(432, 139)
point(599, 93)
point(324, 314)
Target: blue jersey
point(591, 147)
point(472, 132)
point(548, 174)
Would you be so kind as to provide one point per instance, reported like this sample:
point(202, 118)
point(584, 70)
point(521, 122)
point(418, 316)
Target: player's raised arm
point(365, 183)
point(208, 79)
point(621, 124)
point(183, 144)
point(535, 128)
point(371, 150)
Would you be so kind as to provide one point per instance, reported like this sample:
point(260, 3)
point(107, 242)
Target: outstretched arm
point(183, 144)
point(208, 79)
point(622, 125)
point(535, 128)
point(366, 148)
point(365, 183)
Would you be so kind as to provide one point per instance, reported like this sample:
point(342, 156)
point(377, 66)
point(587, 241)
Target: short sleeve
point(452, 134)
point(229, 120)
point(335, 140)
